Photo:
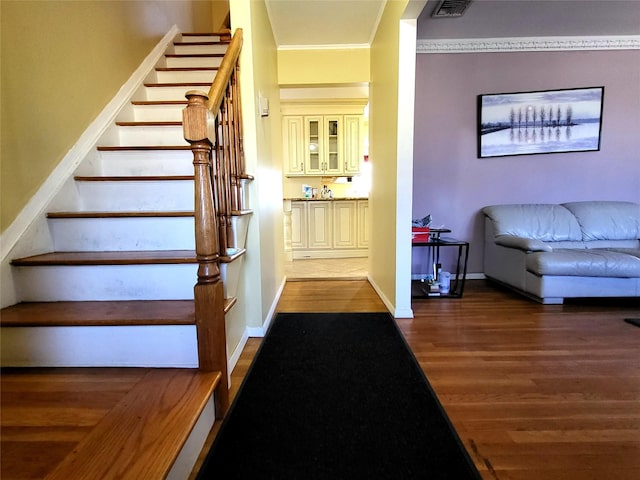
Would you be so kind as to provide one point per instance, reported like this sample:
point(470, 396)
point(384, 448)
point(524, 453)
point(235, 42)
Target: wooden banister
point(212, 126)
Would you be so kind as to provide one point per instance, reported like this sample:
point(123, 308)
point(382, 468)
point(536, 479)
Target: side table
point(420, 288)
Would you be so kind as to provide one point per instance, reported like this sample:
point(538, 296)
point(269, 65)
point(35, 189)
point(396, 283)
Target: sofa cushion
point(584, 263)
point(528, 244)
point(545, 222)
point(607, 220)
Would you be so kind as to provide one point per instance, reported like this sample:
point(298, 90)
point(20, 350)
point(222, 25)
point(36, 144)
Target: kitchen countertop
point(305, 199)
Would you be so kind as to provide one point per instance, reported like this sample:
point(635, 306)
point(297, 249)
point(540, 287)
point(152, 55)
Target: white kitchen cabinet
point(353, 144)
point(345, 224)
point(299, 225)
point(322, 145)
point(363, 224)
point(319, 224)
point(293, 145)
point(328, 229)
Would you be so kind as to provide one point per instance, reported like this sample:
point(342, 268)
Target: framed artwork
point(549, 121)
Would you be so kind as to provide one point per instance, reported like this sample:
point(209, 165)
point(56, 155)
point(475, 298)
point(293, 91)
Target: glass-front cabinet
point(333, 145)
point(314, 145)
point(322, 144)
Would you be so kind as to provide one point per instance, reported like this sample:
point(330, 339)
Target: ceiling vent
point(450, 8)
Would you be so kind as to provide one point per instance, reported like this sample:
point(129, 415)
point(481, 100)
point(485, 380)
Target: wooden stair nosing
point(149, 124)
point(206, 34)
point(194, 55)
point(241, 213)
point(102, 313)
point(144, 433)
point(177, 84)
point(143, 257)
point(203, 43)
point(158, 102)
point(112, 214)
point(140, 214)
point(131, 178)
point(141, 148)
point(186, 69)
point(130, 257)
point(229, 303)
point(233, 256)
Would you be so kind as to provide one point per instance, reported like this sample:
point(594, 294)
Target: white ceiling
point(307, 23)
point(324, 22)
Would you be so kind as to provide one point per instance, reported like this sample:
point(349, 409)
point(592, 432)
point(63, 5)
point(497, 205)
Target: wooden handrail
point(212, 125)
point(229, 62)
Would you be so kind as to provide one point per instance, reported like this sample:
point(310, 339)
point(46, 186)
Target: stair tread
point(177, 84)
point(130, 178)
point(194, 55)
point(142, 257)
point(102, 313)
point(149, 124)
point(186, 69)
point(159, 102)
point(212, 42)
point(141, 436)
point(141, 148)
point(206, 34)
point(143, 214)
point(135, 312)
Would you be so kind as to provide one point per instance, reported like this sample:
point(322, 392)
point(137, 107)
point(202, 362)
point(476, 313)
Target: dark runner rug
point(336, 396)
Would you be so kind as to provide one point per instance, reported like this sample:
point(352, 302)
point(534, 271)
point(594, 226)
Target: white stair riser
point(146, 163)
point(158, 113)
point(188, 76)
point(122, 234)
point(117, 346)
point(190, 62)
point(240, 230)
point(148, 195)
point(151, 135)
point(199, 49)
point(230, 274)
point(171, 93)
point(110, 282)
point(199, 38)
point(106, 282)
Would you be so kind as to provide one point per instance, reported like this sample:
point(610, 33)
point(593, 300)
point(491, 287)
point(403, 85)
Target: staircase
point(118, 287)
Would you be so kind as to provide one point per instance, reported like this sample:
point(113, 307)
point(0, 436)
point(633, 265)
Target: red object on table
point(420, 234)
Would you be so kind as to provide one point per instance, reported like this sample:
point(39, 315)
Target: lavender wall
point(452, 184)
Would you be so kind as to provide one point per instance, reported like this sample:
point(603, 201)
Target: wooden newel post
point(199, 130)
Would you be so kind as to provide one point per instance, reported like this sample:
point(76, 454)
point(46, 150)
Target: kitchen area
point(326, 185)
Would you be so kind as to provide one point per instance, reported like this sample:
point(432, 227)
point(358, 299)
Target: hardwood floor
point(544, 392)
point(97, 423)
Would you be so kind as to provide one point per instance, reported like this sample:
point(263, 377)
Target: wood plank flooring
point(97, 423)
point(544, 392)
point(536, 392)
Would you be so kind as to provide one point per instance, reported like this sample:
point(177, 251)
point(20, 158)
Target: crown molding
point(528, 44)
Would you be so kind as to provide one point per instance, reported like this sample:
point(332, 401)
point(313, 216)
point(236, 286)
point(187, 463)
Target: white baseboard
point(258, 332)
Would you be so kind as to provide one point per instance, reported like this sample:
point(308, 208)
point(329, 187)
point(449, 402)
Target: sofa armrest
point(522, 243)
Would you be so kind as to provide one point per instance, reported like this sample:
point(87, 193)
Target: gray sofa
point(551, 252)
